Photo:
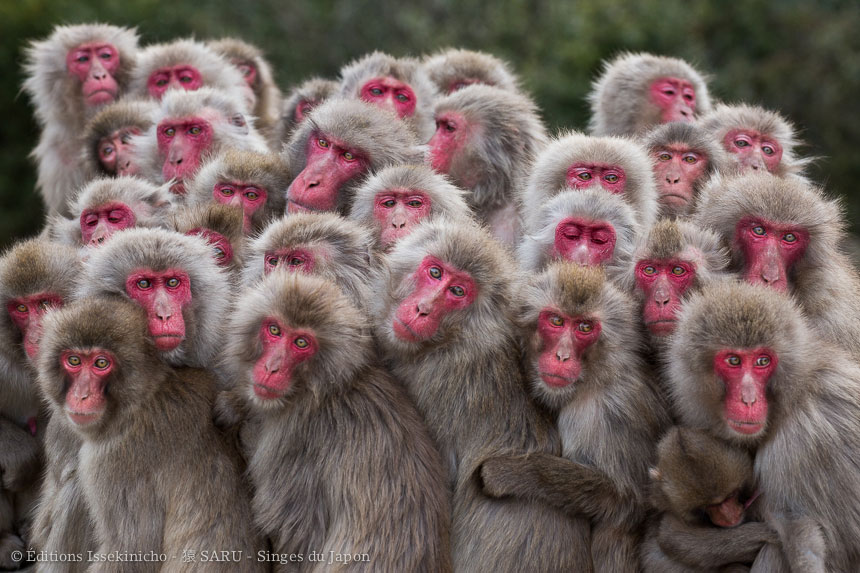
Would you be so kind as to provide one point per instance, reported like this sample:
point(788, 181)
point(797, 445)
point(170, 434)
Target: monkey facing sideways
point(453, 69)
point(219, 225)
point(107, 140)
point(339, 458)
point(152, 467)
point(299, 103)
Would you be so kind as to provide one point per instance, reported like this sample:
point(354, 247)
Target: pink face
point(88, 373)
point(182, 142)
point(584, 241)
point(563, 340)
point(452, 134)
point(390, 93)
point(164, 295)
point(283, 349)
point(330, 165)
point(293, 259)
point(115, 152)
point(303, 109)
point(770, 250)
point(95, 65)
point(461, 83)
point(182, 76)
point(99, 223)
point(439, 290)
point(251, 198)
point(398, 211)
point(677, 169)
point(727, 513)
point(753, 150)
point(663, 282)
point(222, 250)
point(27, 312)
point(583, 175)
point(248, 71)
point(745, 374)
point(676, 99)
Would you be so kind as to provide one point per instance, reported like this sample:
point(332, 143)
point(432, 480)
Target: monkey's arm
point(19, 456)
point(708, 547)
point(575, 488)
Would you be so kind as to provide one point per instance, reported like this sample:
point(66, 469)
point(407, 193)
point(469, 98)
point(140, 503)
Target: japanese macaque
point(362, 473)
point(572, 160)
point(35, 277)
point(747, 368)
point(190, 128)
point(70, 76)
point(322, 244)
point(146, 489)
point(178, 283)
point(786, 234)
point(587, 227)
point(674, 260)
point(443, 318)
point(486, 139)
point(107, 205)
point(754, 139)
point(219, 225)
point(253, 181)
point(393, 201)
point(107, 140)
point(299, 103)
point(454, 69)
point(339, 143)
point(635, 92)
point(703, 489)
point(266, 107)
point(186, 65)
point(684, 160)
point(581, 362)
point(397, 84)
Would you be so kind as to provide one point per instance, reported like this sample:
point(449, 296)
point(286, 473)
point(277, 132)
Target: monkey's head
point(669, 264)
point(35, 277)
point(248, 59)
point(341, 142)
point(777, 228)
point(219, 225)
point(108, 136)
point(449, 283)
point(293, 333)
point(577, 326)
point(453, 69)
point(739, 356)
point(175, 279)
point(587, 227)
point(98, 362)
point(301, 100)
point(701, 479)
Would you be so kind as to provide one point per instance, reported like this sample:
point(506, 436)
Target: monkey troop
point(388, 322)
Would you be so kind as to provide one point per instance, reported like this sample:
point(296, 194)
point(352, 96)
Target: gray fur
point(313, 91)
point(113, 117)
point(226, 220)
point(449, 66)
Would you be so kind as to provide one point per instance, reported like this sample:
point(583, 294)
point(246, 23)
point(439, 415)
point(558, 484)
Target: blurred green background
point(801, 58)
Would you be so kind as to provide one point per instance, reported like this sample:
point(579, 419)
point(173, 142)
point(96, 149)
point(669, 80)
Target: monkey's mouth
point(676, 196)
point(167, 341)
point(403, 332)
point(557, 380)
point(745, 427)
point(84, 418)
point(267, 393)
point(662, 327)
point(303, 208)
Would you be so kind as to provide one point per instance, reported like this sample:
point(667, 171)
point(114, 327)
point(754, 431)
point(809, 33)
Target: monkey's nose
point(562, 355)
point(671, 180)
point(313, 184)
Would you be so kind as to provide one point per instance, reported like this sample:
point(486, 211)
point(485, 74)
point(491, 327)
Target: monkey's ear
point(655, 474)
point(239, 121)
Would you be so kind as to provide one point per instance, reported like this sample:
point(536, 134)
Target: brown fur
point(343, 462)
point(156, 423)
point(226, 220)
point(59, 106)
point(449, 66)
point(620, 102)
point(467, 382)
point(823, 281)
point(806, 455)
point(120, 115)
point(315, 91)
point(608, 419)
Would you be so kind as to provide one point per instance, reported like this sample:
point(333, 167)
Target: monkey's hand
point(802, 540)
point(20, 456)
point(707, 547)
point(508, 476)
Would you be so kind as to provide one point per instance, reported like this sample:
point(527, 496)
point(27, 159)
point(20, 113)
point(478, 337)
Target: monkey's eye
point(74, 360)
point(273, 261)
point(301, 342)
point(21, 308)
point(173, 282)
point(322, 143)
point(733, 360)
point(107, 151)
point(45, 305)
point(585, 327)
point(649, 270)
point(762, 361)
point(170, 131)
point(690, 159)
point(219, 253)
point(759, 230)
point(789, 237)
point(389, 203)
point(114, 218)
point(125, 137)
point(457, 291)
point(348, 156)
point(102, 363)
point(403, 98)
point(195, 130)
point(227, 191)
point(767, 150)
point(585, 176)
point(741, 143)
point(611, 178)
point(82, 59)
point(435, 272)
point(252, 195)
point(376, 91)
point(105, 55)
point(668, 91)
point(274, 330)
point(161, 83)
point(678, 270)
point(556, 320)
point(296, 262)
point(664, 156)
point(185, 79)
point(144, 284)
point(415, 203)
